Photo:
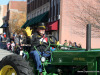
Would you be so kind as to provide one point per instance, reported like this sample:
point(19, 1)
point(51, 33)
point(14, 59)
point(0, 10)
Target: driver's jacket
point(36, 41)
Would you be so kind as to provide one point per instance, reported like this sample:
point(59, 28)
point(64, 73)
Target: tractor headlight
point(43, 59)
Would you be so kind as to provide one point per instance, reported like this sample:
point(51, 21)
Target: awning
point(5, 25)
point(52, 26)
point(25, 24)
point(41, 18)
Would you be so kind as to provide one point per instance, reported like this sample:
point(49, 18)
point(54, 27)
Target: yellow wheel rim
point(8, 70)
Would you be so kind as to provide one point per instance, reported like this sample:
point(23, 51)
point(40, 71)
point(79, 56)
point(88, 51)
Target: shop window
point(44, 10)
point(58, 7)
point(38, 13)
point(41, 11)
point(47, 8)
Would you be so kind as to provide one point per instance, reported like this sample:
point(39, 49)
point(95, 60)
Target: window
point(28, 8)
point(54, 9)
point(38, 13)
point(58, 7)
point(47, 8)
point(40, 2)
point(28, 17)
point(28, 0)
point(32, 15)
point(41, 11)
point(44, 10)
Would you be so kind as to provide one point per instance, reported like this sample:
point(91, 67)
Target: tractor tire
point(15, 65)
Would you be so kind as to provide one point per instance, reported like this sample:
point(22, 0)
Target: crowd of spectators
point(70, 44)
point(3, 36)
point(16, 42)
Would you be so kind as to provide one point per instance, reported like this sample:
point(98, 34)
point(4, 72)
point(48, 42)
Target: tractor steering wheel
point(47, 45)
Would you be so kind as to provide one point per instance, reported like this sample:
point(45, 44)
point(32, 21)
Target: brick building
point(37, 7)
point(14, 9)
point(74, 16)
point(54, 18)
point(47, 10)
point(67, 19)
point(3, 12)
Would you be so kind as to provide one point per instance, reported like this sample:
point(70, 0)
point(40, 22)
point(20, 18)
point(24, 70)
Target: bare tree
point(18, 19)
point(87, 12)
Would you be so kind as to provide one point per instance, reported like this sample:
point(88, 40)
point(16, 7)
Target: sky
point(5, 2)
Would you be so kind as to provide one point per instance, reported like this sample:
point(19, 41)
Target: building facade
point(14, 10)
point(68, 19)
point(37, 7)
point(74, 16)
point(3, 11)
point(54, 17)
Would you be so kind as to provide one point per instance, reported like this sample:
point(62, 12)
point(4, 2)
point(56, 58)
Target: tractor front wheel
point(15, 65)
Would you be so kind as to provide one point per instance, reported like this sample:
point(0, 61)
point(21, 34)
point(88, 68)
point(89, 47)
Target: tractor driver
point(37, 38)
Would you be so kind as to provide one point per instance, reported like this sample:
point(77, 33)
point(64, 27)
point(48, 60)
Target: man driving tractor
point(38, 38)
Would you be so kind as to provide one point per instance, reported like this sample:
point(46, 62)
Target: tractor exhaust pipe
point(88, 37)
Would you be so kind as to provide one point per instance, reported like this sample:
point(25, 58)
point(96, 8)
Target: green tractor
point(66, 61)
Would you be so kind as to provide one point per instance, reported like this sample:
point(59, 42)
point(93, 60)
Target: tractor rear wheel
point(15, 65)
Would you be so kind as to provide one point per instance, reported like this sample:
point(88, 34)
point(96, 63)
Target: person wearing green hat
point(38, 37)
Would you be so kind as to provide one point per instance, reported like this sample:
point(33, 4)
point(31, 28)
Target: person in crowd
point(79, 46)
point(0, 37)
point(74, 44)
point(8, 43)
point(70, 44)
point(17, 49)
point(13, 34)
point(11, 38)
point(12, 46)
point(16, 39)
point(65, 43)
point(4, 36)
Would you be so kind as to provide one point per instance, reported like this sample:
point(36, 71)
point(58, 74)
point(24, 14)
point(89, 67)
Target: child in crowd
point(65, 43)
point(79, 46)
point(17, 49)
point(70, 44)
point(8, 45)
point(12, 46)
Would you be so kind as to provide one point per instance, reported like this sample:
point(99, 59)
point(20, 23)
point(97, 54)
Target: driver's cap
point(41, 25)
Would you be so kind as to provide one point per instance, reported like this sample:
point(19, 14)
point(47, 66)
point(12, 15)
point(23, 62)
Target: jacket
point(36, 41)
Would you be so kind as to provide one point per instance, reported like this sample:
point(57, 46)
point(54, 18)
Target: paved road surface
point(4, 53)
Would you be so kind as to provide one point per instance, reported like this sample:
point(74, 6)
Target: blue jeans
point(36, 57)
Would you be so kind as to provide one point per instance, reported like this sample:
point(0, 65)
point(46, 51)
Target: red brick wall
point(4, 10)
point(19, 5)
point(72, 28)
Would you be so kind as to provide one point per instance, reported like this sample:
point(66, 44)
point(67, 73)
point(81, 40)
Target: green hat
point(41, 25)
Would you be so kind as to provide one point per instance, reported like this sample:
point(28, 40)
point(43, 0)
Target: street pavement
point(3, 50)
point(4, 53)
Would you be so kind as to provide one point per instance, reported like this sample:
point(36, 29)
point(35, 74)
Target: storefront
point(5, 28)
point(53, 29)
